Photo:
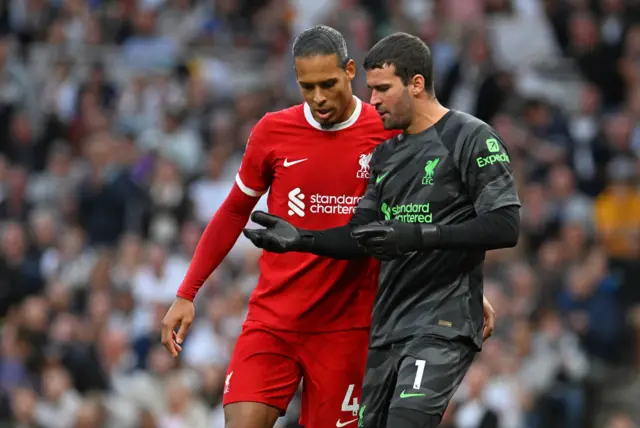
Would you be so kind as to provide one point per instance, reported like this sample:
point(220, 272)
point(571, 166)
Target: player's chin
point(388, 123)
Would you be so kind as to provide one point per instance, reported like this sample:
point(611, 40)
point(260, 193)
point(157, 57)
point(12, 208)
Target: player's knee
point(409, 418)
point(250, 415)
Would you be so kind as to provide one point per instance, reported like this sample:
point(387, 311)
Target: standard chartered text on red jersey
point(333, 204)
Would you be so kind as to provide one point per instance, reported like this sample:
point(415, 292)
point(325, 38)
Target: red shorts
point(267, 366)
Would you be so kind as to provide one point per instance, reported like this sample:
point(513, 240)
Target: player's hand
point(389, 239)
point(180, 314)
point(489, 319)
point(279, 236)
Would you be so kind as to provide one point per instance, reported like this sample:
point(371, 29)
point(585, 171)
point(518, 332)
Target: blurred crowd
point(122, 124)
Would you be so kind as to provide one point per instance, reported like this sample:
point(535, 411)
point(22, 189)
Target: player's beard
point(326, 126)
point(400, 116)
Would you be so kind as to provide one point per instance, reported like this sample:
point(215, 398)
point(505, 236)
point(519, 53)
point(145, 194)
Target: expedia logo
point(491, 159)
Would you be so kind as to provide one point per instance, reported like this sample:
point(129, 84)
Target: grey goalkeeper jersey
point(452, 172)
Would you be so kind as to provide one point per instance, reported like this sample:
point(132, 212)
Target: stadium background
point(122, 123)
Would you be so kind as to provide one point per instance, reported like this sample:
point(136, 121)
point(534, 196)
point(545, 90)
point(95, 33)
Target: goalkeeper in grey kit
point(440, 195)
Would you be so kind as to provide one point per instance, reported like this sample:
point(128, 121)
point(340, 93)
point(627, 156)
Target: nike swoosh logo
point(287, 164)
point(344, 424)
point(381, 177)
point(404, 394)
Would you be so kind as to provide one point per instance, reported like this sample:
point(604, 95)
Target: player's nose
point(375, 99)
point(376, 102)
point(319, 98)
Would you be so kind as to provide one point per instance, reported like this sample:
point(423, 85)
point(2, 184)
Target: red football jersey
point(315, 178)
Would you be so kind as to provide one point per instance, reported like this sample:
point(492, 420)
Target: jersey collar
point(338, 126)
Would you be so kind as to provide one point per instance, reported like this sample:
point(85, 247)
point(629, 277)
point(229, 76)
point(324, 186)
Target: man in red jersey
point(309, 316)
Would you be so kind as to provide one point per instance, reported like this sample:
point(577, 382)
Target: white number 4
point(346, 406)
point(419, 373)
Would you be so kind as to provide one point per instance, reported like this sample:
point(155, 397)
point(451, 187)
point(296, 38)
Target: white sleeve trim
point(247, 190)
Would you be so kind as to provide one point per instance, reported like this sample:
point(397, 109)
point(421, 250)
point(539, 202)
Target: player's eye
point(306, 86)
point(328, 85)
point(382, 88)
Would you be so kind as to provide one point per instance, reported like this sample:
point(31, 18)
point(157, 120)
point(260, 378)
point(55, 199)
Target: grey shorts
point(421, 374)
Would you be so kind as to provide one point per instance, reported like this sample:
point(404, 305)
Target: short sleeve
point(256, 171)
point(485, 168)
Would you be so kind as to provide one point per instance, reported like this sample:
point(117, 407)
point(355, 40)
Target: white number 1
point(353, 407)
point(419, 373)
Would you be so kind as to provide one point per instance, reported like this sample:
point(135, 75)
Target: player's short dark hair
point(409, 55)
point(321, 40)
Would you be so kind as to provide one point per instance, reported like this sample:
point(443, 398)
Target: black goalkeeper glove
point(391, 239)
point(279, 236)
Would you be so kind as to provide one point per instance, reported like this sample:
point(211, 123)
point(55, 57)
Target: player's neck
point(427, 113)
point(351, 107)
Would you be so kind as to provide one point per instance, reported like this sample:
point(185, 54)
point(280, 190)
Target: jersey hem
point(255, 399)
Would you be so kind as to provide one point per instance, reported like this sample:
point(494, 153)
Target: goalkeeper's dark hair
point(410, 56)
point(321, 40)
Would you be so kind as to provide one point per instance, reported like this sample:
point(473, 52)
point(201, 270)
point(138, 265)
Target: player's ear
point(417, 85)
point(350, 68)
